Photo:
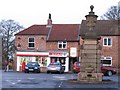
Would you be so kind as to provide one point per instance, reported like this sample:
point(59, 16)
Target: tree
point(112, 13)
point(8, 28)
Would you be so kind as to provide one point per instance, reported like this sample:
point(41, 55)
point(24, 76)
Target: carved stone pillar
point(90, 70)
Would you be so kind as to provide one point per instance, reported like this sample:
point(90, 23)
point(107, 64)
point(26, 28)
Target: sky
point(30, 12)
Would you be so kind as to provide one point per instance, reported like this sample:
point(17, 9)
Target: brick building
point(110, 40)
point(61, 42)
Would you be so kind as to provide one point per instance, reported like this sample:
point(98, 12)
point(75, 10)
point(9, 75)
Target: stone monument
point(90, 70)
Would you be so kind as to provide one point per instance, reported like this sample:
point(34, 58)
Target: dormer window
point(62, 45)
point(31, 42)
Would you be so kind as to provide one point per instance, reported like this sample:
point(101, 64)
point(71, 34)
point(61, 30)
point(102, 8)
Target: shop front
point(25, 57)
point(60, 56)
point(43, 58)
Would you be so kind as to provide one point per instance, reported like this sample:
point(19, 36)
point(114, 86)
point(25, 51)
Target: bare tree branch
point(8, 28)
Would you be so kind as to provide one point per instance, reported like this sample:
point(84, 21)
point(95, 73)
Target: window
point(58, 59)
point(31, 42)
point(106, 61)
point(62, 45)
point(107, 42)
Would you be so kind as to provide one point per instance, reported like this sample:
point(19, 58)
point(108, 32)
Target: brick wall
point(54, 46)
point(111, 50)
point(119, 53)
point(40, 42)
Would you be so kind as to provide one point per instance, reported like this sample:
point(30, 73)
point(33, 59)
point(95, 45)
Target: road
point(44, 80)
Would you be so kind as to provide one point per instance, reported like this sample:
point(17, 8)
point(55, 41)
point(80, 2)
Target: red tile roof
point(69, 32)
point(35, 30)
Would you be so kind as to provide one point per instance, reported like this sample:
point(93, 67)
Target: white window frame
point(107, 58)
point(107, 42)
point(62, 43)
point(31, 42)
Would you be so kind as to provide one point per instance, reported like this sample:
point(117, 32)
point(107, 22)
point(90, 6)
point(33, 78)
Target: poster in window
point(73, 52)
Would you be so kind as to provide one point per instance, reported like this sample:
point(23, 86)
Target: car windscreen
point(56, 64)
point(78, 64)
point(32, 64)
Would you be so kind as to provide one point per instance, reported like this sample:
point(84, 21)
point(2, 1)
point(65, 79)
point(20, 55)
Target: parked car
point(76, 67)
point(32, 67)
point(106, 70)
point(55, 67)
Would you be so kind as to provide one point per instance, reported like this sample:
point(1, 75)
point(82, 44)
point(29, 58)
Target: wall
point(111, 50)
point(40, 42)
point(54, 46)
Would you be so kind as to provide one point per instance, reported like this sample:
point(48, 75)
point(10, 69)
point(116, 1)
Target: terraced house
point(61, 42)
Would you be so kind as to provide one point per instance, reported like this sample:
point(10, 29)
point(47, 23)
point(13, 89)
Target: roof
point(69, 32)
point(35, 30)
point(102, 28)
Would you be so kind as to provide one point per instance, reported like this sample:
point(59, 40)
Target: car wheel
point(109, 73)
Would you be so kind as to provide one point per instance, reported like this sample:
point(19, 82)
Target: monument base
point(90, 77)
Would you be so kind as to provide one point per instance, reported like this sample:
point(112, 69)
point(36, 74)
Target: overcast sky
point(29, 12)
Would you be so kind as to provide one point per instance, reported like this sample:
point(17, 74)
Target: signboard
point(57, 54)
point(73, 52)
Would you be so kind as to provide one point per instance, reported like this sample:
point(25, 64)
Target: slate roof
point(102, 28)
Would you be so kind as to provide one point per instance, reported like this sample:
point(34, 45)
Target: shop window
point(107, 42)
point(42, 61)
point(58, 59)
point(62, 45)
point(106, 61)
point(31, 42)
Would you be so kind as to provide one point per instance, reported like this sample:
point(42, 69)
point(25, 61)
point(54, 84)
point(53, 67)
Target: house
point(110, 40)
point(61, 42)
point(48, 43)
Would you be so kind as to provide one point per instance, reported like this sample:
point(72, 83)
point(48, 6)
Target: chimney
point(49, 21)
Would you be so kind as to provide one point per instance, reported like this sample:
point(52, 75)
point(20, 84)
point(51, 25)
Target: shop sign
point(73, 52)
point(45, 54)
point(58, 54)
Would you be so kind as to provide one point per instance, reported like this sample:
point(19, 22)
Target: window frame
point(31, 42)
point(107, 43)
point(107, 58)
point(62, 43)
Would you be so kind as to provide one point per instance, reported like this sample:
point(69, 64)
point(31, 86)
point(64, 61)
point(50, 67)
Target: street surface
point(43, 80)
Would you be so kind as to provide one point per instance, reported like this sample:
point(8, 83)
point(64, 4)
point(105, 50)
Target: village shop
point(43, 58)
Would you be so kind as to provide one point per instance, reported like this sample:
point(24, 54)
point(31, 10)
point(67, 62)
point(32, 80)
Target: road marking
point(18, 80)
point(31, 78)
point(60, 84)
point(60, 77)
point(13, 83)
